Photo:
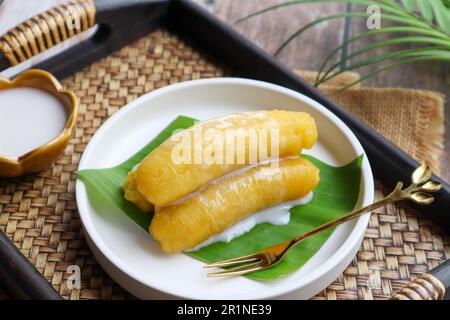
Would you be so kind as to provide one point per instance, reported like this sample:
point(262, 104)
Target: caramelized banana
point(132, 195)
point(162, 181)
point(217, 206)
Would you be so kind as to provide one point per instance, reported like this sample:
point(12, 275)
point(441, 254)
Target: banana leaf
point(335, 195)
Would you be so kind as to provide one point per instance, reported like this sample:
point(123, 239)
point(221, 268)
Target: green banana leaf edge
point(336, 194)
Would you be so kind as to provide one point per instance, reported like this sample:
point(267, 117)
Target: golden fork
point(417, 192)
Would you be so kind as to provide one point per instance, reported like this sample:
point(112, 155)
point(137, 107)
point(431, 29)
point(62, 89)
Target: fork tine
point(240, 270)
point(231, 262)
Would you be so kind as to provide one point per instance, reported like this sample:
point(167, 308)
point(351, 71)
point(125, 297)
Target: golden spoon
point(418, 192)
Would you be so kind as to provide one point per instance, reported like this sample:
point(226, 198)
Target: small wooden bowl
point(41, 157)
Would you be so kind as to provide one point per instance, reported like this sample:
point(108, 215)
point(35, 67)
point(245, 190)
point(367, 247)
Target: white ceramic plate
point(134, 259)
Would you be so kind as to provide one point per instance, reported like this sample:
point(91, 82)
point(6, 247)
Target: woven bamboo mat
point(38, 212)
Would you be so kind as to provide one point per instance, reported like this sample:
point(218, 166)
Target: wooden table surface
point(308, 51)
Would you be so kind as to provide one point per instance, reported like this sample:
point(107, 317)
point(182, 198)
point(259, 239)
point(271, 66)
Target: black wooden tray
point(122, 21)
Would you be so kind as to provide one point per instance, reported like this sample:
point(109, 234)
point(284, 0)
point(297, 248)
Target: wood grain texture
point(428, 75)
point(308, 51)
point(269, 30)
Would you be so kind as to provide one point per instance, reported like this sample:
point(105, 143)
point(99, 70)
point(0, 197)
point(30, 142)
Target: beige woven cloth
point(411, 119)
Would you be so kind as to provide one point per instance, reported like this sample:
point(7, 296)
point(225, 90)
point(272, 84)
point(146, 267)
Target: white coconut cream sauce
point(29, 118)
point(276, 215)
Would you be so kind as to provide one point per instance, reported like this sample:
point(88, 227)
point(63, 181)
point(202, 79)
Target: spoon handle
point(418, 192)
point(350, 216)
point(427, 286)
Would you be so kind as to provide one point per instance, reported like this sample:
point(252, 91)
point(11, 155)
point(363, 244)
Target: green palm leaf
point(426, 9)
point(357, 14)
point(368, 34)
point(442, 15)
point(380, 44)
point(310, 25)
point(432, 20)
point(392, 66)
point(409, 5)
point(426, 52)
